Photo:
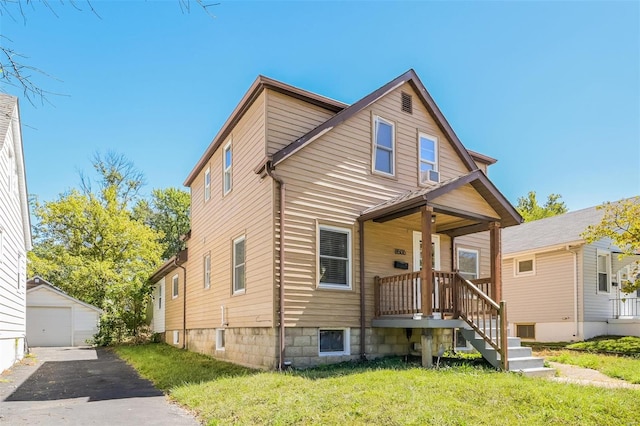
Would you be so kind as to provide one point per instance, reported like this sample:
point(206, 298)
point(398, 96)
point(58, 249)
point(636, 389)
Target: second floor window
point(207, 185)
point(428, 162)
point(383, 146)
point(227, 168)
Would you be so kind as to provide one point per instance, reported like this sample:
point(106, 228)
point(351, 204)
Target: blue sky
point(550, 89)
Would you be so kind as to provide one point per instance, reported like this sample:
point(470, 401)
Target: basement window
point(220, 342)
point(176, 337)
point(526, 331)
point(524, 266)
point(333, 342)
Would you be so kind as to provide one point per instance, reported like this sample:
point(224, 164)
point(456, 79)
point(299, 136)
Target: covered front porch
point(447, 273)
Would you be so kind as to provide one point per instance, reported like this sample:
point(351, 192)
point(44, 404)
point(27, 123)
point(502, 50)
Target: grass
point(614, 356)
point(387, 392)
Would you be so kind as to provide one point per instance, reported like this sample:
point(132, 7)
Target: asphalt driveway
point(82, 386)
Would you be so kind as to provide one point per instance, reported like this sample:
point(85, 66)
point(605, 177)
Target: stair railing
point(484, 316)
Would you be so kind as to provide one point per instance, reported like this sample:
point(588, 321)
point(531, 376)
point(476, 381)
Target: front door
point(417, 263)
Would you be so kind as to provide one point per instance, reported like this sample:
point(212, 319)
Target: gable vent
point(407, 104)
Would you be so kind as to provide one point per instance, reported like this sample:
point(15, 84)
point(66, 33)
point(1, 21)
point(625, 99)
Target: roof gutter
point(268, 169)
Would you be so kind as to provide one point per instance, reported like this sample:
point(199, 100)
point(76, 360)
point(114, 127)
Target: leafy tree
point(530, 210)
point(620, 223)
point(89, 243)
point(168, 214)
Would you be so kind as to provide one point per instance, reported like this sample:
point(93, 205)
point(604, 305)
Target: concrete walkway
point(82, 386)
point(586, 376)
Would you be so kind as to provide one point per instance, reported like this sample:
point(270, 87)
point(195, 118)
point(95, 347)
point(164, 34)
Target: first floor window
point(239, 265)
point(333, 342)
point(335, 257)
point(603, 272)
point(207, 271)
point(175, 286)
point(468, 263)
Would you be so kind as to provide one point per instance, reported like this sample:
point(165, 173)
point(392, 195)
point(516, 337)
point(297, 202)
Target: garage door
point(48, 326)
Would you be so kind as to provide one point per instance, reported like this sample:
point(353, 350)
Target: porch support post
point(426, 342)
point(496, 261)
point(426, 274)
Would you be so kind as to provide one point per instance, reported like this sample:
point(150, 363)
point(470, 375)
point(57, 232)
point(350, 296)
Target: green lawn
point(384, 392)
point(597, 354)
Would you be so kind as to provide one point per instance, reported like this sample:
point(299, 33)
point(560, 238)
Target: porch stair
point(521, 359)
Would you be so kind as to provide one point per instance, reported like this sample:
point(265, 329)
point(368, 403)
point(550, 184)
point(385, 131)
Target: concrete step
point(537, 372)
point(523, 363)
point(519, 352)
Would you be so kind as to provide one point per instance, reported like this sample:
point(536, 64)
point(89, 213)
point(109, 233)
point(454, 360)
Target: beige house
point(559, 288)
point(311, 219)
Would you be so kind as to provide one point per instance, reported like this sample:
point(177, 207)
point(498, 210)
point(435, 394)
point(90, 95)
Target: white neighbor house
point(558, 287)
point(15, 234)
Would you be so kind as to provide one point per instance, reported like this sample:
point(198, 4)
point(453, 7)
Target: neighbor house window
point(333, 342)
point(220, 339)
point(383, 146)
point(428, 158)
point(524, 266)
point(468, 263)
point(175, 285)
point(160, 296)
point(207, 271)
point(207, 185)
point(334, 257)
point(239, 254)
point(526, 331)
point(227, 160)
point(603, 264)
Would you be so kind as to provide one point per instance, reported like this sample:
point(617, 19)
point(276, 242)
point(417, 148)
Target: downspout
point(184, 303)
point(281, 186)
point(363, 352)
point(575, 293)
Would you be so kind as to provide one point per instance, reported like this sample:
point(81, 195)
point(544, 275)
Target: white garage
point(56, 319)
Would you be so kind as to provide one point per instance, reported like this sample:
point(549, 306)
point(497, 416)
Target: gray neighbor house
point(559, 287)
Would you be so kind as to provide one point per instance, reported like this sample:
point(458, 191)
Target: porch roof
point(411, 201)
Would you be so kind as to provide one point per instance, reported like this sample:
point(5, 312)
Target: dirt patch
point(586, 376)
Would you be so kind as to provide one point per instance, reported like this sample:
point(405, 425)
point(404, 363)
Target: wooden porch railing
point(453, 296)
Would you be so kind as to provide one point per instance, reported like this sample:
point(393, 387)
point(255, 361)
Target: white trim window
point(603, 267)
point(239, 259)
point(334, 257)
point(468, 263)
point(176, 337)
point(207, 270)
point(207, 184)
point(384, 146)
point(334, 341)
point(524, 266)
point(160, 294)
point(220, 339)
point(227, 163)
point(175, 286)
point(428, 158)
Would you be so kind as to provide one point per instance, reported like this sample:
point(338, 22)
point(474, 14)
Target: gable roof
point(247, 100)
point(408, 77)
point(565, 229)
point(410, 201)
point(37, 283)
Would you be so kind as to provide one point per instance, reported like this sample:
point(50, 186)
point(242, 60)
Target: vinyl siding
point(158, 311)
point(596, 305)
point(12, 271)
point(330, 182)
point(289, 118)
point(173, 307)
point(547, 296)
point(246, 210)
